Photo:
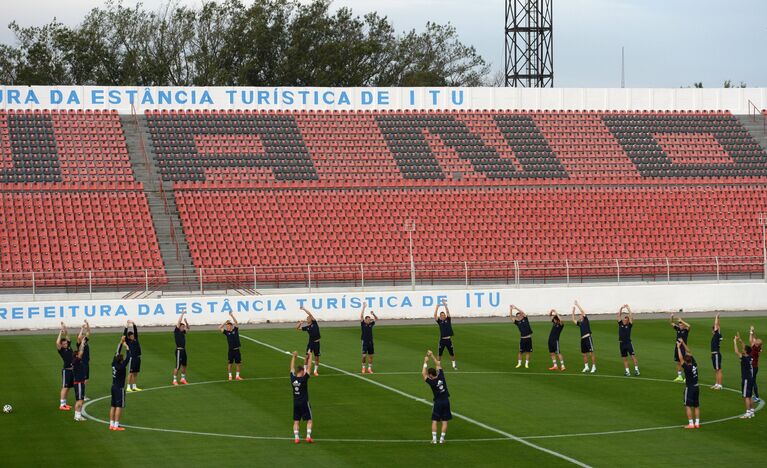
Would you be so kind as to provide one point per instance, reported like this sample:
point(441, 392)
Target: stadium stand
point(70, 203)
point(325, 188)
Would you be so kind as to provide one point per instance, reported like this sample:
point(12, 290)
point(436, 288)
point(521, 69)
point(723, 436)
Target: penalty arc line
point(421, 400)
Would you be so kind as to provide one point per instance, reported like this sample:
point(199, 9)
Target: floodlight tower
point(529, 44)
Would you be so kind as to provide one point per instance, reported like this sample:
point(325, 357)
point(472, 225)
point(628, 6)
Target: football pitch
point(502, 415)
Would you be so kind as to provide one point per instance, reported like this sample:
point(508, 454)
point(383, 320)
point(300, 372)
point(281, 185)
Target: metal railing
point(251, 279)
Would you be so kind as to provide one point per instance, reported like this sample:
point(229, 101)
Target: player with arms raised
point(587, 343)
point(682, 329)
point(746, 375)
point(716, 353)
point(119, 366)
point(83, 342)
point(525, 335)
point(179, 335)
point(556, 330)
point(625, 324)
point(313, 346)
point(134, 356)
point(435, 379)
point(231, 329)
point(78, 375)
point(445, 332)
point(367, 324)
point(756, 350)
point(691, 389)
point(64, 348)
point(299, 380)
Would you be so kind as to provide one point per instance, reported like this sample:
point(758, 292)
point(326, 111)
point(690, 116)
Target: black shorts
point(526, 345)
point(446, 343)
point(441, 411)
point(367, 347)
point(79, 391)
point(691, 397)
point(747, 388)
point(302, 410)
point(134, 364)
point(67, 378)
point(627, 349)
point(676, 358)
point(118, 397)
point(587, 345)
point(180, 358)
point(234, 356)
point(716, 360)
point(313, 347)
point(554, 346)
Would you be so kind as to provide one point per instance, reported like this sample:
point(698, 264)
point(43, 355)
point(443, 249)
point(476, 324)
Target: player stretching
point(367, 324)
point(78, 375)
point(134, 356)
point(746, 375)
point(179, 334)
point(525, 335)
point(64, 347)
point(313, 346)
point(756, 350)
point(435, 379)
point(556, 329)
point(682, 329)
point(445, 332)
point(716, 354)
point(232, 332)
point(83, 342)
point(691, 389)
point(587, 343)
point(119, 365)
point(625, 323)
point(299, 379)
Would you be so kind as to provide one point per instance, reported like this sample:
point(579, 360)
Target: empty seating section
point(327, 188)
point(70, 202)
point(279, 227)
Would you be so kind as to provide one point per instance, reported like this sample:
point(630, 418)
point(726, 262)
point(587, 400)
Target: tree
point(267, 43)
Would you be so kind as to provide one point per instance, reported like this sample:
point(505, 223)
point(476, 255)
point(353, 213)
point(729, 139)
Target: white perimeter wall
point(734, 296)
point(124, 99)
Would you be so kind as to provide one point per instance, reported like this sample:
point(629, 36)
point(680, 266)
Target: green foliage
point(266, 43)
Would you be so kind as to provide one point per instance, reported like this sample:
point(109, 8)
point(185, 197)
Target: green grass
point(487, 389)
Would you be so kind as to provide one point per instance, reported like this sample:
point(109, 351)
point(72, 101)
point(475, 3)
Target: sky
point(668, 43)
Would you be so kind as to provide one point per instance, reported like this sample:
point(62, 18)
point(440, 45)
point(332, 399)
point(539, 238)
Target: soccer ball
point(7, 408)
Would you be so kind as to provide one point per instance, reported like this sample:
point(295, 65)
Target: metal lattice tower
point(529, 43)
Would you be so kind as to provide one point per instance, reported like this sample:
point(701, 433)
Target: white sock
point(519, 362)
point(697, 422)
point(527, 362)
point(308, 433)
point(316, 369)
point(62, 402)
point(679, 373)
point(442, 437)
point(555, 362)
point(636, 368)
point(593, 367)
point(174, 378)
point(433, 435)
point(586, 365)
point(238, 374)
point(370, 366)
point(295, 435)
point(562, 362)
point(111, 423)
point(453, 364)
point(230, 375)
point(691, 423)
point(183, 376)
point(627, 370)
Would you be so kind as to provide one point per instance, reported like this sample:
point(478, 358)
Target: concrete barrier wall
point(387, 304)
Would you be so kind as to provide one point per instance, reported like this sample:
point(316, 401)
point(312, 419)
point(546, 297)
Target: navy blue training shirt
point(367, 330)
point(438, 386)
point(118, 372)
point(134, 348)
point(746, 367)
point(67, 355)
point(585, 326)
point(556, 330)
point(180, 337)
point(690, 373)
point(445, 327)
point(78, 369)
point(86, 351)
point(716, 341)
point(524, 326)
point(313, 330)
point(233, 337)
point(624, 331)
point(681, 332)
point(300, 387)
